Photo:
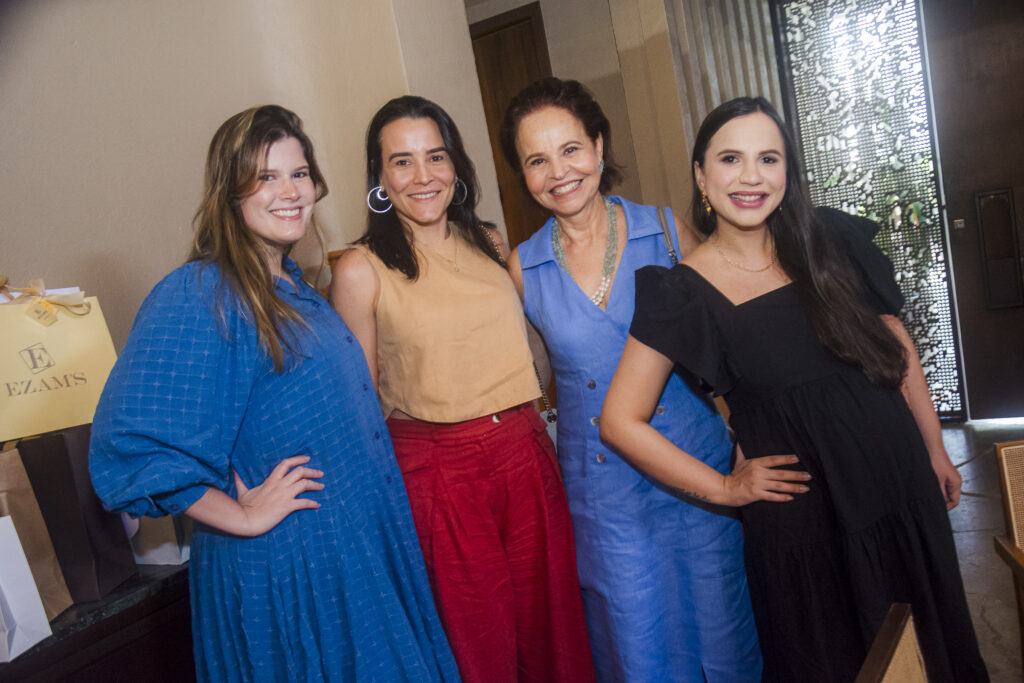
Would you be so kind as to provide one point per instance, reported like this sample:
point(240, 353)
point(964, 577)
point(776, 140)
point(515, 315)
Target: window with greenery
point(855, 84)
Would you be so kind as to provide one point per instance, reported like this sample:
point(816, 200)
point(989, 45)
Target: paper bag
point(161, 540)
point(90, 542)
point(22, 619)
point(51, 376)
point(19, 502)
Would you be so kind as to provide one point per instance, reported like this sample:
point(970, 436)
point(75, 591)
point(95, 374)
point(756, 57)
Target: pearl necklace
point(611, 250)
point(740, 265)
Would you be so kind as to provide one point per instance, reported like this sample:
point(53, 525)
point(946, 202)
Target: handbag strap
point(551, 416)
point(663, 219)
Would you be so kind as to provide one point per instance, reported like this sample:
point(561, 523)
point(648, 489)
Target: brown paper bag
point(19, 502)
point(91, 543)
point(51, 376)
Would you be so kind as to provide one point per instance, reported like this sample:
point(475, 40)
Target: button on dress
point(337, 593)
point(663, 580)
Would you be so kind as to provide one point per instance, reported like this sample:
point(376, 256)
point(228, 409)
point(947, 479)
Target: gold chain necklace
point(453, 259)
point(728, 260)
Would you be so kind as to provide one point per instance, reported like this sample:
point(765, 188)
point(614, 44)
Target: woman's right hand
point(264, 506)
point(757, 479)
point(259, 509)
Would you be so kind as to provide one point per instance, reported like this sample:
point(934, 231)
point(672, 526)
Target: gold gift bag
point(54, 361)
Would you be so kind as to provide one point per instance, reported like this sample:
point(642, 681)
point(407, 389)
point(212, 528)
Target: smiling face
point(560, 163)
point(744, 171)
point(281, 207)
point(417, 172)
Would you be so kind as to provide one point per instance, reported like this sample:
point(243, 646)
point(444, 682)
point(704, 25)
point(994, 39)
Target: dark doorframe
point(979, 109)
point(511, 52)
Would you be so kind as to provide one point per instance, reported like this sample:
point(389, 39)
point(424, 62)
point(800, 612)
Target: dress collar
point(538, 249)
point(300, 289)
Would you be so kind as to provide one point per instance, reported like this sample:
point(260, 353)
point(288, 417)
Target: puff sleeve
point(171, 409)
point(674, 320)
point(875, 269)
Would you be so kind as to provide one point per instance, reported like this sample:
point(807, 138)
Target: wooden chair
point(332, 257)
point(895, 656)
point(1009, 547)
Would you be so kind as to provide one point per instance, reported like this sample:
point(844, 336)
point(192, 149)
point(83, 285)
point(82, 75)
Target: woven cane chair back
point(895, 656)
point(1011, 474)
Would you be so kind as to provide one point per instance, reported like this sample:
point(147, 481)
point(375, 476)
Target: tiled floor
point(976, 520)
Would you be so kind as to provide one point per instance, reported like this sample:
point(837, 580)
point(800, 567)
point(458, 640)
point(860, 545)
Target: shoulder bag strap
point(663, 219)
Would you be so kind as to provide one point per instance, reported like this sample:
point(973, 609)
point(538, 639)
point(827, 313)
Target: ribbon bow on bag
point(43, 307)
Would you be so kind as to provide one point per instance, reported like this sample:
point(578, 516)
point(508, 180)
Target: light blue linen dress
point(333, 594)
point(663, 580)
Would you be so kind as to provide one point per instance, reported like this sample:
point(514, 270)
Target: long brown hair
point(829, 287)
point(237, 153)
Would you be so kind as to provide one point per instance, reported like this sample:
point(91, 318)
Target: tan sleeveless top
point(451, 345)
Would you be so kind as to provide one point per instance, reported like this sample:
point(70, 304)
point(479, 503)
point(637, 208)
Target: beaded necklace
point(611, 249)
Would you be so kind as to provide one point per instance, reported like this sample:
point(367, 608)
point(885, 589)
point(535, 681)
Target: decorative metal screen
point(856, 86)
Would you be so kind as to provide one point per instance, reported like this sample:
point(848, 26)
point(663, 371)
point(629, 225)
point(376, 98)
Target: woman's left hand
point(916, 392)
point(949, 479)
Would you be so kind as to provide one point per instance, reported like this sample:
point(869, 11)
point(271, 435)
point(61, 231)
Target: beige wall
point(439, 65)
point(680, 59)
point(108, 106)
point(581, 46)
point(657, 67)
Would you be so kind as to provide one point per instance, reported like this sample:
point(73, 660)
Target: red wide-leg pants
point(493, 523)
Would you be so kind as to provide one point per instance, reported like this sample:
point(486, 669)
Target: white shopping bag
point(160, 540)
point(22, 619)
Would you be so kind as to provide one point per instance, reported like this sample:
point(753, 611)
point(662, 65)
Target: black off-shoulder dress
point(873, 529)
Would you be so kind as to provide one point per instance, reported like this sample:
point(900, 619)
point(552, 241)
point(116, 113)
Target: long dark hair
point(237, 153)
point(572, 96)
point(828, 284)
point(385, 235)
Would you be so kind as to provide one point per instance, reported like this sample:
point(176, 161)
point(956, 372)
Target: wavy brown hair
point(829, 286)
point(237, 153)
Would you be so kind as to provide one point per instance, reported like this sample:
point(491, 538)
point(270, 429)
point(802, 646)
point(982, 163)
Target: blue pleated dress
point(663, 580)
point(333, 594)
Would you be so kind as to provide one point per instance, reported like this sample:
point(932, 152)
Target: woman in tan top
point(440, 322)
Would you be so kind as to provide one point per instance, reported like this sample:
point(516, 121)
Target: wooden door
point(511, 52)
point(979, 112)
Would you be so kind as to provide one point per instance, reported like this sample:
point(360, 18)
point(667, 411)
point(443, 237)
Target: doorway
point(854, 78)
point(511, 52)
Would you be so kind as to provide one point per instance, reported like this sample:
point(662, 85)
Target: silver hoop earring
point(381, 197)
point(459, 185)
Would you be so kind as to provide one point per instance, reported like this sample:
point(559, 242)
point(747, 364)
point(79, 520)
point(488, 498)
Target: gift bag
point(91, 544)
point(54, 362)
point(22, 619)
point(161, 540)
point(19, 502)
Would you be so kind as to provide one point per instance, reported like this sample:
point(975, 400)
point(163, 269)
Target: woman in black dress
point(789, 313)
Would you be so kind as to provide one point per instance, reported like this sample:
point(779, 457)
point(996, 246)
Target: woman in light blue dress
point(242, 400)
point(663, 579)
